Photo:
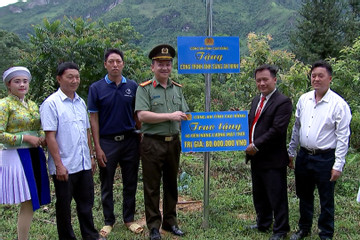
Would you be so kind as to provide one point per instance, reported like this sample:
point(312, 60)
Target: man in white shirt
point(65, 122)
point(322, 129)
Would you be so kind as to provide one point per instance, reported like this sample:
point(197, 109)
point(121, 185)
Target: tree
point(346, 82)
point(11, 48)
point(237, 90)
point(352, 24)
point(82, 42)
point(323, 29)
point(346, 70)
point(292, 74)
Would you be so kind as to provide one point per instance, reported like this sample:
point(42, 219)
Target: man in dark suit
point(269, 118)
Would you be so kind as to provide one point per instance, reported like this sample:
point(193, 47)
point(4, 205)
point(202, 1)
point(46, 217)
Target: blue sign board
point(208, 55)
point(215, 131)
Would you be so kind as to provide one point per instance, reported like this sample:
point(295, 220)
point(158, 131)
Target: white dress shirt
point(322, 125)
point(69, 119)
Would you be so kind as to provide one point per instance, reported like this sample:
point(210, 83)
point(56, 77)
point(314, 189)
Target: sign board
point(208, 55)
point(215, 131)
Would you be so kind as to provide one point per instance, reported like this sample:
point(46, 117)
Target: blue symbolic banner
point(208, 55)
point(215, 131)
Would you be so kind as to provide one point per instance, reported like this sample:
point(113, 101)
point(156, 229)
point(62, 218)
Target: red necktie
point(257, 115)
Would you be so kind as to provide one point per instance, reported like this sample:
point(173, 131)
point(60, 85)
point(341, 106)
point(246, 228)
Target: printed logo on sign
point(209, 41)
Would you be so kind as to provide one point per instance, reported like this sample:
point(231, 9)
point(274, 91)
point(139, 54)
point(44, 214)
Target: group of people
point(321, 132)
point(128, 120)
point(118, 109)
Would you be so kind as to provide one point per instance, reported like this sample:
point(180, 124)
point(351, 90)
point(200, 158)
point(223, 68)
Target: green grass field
point(231, 208)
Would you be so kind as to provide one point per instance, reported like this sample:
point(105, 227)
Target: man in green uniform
point(160, 106)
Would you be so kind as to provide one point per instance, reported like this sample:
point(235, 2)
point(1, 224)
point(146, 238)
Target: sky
point(7, 2)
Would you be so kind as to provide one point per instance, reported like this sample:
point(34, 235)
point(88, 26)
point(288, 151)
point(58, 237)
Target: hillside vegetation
point(162, 21)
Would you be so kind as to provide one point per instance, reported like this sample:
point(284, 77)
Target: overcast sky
point(7, 2)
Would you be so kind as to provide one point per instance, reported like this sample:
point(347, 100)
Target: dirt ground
point(184, 205)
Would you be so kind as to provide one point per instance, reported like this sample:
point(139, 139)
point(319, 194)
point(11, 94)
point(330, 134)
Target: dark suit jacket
point(270, 131)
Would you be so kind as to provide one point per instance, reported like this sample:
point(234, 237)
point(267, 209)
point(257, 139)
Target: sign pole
point(205, 223)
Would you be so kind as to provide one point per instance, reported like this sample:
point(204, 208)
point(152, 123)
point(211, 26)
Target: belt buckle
point(168, 139)
point(312, 151)
point(119, 138)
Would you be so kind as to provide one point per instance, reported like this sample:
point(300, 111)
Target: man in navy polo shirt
point(111, 103)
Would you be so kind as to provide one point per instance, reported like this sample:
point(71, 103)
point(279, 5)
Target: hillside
point(162, 21)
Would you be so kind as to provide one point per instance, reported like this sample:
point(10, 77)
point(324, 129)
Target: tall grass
point(231, 207)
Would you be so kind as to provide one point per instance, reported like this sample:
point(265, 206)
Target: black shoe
point(325, 238)
point(155, 234)
point(278, 236)
point(174, 230)
point(256, 227)
point(299, 234)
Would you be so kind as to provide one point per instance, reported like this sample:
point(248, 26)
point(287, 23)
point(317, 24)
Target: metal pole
point(205, 223)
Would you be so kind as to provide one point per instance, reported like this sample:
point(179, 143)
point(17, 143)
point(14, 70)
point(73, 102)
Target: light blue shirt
point(69, 119)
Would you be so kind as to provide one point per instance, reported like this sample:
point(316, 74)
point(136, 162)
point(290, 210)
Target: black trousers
point(270, 198)
point(315, 171)
point(160, 159)
point(126, 154)
point(79, 186)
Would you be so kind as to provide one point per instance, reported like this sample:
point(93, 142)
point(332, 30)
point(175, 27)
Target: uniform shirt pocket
point(177, 103)
point(157, 105)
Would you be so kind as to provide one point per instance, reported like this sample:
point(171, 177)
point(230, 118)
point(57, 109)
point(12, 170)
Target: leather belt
point(163, 138)
point(119, 136)
point(316, 151)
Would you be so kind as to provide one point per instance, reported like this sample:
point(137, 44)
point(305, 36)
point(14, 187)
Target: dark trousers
point(315, 171)
point(270, 198)
point(126, 154)
point(160, 159)
point(79, 186)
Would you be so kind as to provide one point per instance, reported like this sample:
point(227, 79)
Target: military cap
point(162, 52)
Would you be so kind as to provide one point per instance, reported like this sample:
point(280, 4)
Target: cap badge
point(164, 50)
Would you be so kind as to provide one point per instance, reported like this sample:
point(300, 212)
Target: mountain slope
point(162, 21)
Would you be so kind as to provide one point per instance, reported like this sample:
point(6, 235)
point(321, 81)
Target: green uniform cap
point(162, 52)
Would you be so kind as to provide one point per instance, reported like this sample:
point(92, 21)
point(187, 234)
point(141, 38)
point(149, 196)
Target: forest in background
point(162, 21)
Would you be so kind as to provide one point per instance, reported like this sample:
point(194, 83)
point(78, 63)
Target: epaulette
point(143, 84)
point(177, 84)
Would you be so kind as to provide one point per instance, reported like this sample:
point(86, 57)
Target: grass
point(231, 207)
